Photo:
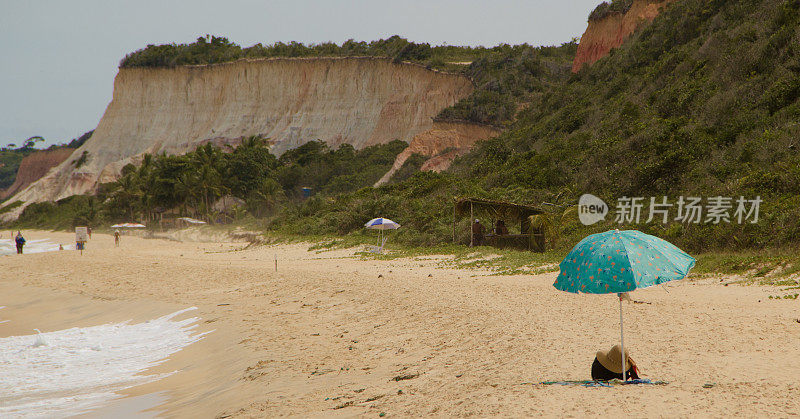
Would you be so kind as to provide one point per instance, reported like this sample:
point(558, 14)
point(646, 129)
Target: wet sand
point(328, 334)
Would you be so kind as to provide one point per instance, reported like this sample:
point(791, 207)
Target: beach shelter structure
point(528, 237)
point(620, 261)
point(381, 224)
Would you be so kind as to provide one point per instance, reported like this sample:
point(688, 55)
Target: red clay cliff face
point(34, 166)
point(442, 143)
point(610, 32)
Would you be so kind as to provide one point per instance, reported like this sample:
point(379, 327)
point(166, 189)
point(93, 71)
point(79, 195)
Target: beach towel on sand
point(611, 383)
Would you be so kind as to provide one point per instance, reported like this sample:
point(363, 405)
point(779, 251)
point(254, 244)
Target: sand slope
point(326, 331)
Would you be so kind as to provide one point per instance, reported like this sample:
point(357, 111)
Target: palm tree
point(209, 184)
point(127, 192)
point(207, 163)
point(268, 196)
point(147, 181)
point(207, 155)
point(551, 223)
point(185, 187)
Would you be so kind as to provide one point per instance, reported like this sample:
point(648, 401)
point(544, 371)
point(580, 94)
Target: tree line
point(190, 184)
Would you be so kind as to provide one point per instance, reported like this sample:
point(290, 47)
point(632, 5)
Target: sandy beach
point(329, 334)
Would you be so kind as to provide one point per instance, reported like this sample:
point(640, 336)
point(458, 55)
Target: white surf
point(73, 371)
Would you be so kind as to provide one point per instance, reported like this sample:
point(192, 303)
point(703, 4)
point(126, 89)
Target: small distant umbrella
point(128, 225)
point(191, 220)
point(621, 261)
point(381, 224)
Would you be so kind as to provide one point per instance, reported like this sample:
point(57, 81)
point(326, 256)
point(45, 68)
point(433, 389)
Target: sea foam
point(72, 371)
point(8, 247)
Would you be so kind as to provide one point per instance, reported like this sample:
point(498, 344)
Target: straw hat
point(612, 359)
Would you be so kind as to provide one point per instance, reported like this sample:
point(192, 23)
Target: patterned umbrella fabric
point(618, 262)
point(621, 261)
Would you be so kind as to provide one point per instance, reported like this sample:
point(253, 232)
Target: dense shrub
point(703, 101)
point(605, 9)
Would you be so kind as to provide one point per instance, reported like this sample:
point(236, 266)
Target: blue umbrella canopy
point(621, 261)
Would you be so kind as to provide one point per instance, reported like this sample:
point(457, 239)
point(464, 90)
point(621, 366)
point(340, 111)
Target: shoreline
point(196, 366)
point(329, 334)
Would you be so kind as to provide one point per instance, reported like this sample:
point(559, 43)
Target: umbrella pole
point(622, 339)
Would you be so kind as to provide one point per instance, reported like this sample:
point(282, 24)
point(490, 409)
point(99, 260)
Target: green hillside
point(703, 102)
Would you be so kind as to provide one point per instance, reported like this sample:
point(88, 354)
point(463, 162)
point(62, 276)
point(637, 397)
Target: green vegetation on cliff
point(217, 49)
point(509, 78)
point(11, 155)
point(606, 9)
point(10, 158)
point(702, 102)
point(505, 76)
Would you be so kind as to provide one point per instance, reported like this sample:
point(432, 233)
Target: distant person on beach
point(116, 238)
point(477, 232)
point(89, 231)
point(20, 242)
point(608, 365)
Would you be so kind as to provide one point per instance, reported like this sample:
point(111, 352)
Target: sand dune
point(328, 334)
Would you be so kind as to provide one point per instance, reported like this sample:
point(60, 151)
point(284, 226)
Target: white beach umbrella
point(128, 225)
point(381, 224)
point(191, 220)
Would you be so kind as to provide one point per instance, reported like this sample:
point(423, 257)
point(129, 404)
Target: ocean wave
point(72, 371)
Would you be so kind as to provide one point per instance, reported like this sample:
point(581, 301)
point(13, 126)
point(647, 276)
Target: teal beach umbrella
point(620, 261)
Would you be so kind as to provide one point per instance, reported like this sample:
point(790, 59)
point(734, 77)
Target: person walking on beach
point(20, 242)
point(116, 238)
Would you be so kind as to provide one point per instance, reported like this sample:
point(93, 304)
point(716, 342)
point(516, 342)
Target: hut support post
point(454, 223)
point(471, 220)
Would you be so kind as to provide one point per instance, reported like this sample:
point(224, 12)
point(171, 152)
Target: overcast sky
point(58, 59)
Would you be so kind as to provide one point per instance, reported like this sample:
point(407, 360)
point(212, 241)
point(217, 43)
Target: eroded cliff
point(359, 101)
point(442, 143)
point(610, 31)
point(34, 166)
